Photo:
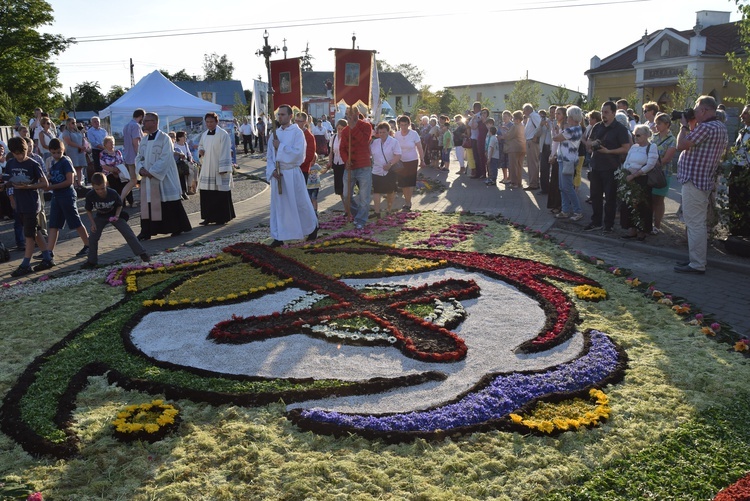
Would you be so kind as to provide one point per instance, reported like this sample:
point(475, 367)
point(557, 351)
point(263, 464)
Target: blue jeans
point(494, 164)
point(361, 203)
point(567, 191)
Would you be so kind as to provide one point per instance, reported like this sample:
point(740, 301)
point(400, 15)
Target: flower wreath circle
point(150, 421)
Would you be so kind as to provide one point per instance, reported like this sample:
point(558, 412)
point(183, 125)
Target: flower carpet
point(428, 356)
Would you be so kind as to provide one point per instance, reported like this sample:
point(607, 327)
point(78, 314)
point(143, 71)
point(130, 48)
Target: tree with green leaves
point(524, 91)
point(7, 115)
point(217, 67)
point(27, 75)
point(115, 93)
point(739, 60)
point(686, 92)
point(86, 96)
point(239, 110)
point(180, 76)
point(411, 72)
point(559, 96)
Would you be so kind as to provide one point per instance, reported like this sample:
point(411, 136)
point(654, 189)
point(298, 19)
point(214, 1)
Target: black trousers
point(247, 141)
point(603, 197)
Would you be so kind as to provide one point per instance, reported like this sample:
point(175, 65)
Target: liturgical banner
point(286, 80)
point(353, 77)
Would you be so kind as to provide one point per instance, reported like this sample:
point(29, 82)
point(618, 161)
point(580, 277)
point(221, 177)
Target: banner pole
point(266, 52)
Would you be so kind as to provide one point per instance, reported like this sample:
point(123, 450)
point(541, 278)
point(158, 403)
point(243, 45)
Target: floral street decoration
point(391, 322)
point(150, 421)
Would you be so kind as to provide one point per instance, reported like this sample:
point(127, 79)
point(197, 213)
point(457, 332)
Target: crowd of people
point(555, 146)
point(41, 160)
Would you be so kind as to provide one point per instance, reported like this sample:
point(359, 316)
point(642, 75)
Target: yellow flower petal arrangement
point(150, 421)
point(590, 293)
point(571, 414)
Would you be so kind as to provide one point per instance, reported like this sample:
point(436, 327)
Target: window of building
point(207, 96)
point(399, 102)
point(408, 100)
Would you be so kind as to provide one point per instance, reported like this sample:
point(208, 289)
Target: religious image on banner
point(353, 77)
point(286, 81)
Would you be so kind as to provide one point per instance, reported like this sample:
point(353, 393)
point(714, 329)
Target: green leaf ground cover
point(677, 431)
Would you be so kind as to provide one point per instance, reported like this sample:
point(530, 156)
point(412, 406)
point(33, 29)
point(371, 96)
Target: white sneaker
point(562, 215)
point(576, 217)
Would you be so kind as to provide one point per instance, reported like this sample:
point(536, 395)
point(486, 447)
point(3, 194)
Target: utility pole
point(132, 76)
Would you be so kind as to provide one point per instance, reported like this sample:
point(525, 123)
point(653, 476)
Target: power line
point(328, 21)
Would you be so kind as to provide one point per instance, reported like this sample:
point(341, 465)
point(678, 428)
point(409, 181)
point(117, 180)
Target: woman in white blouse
point(412, 157)
point(636, 213)
point(335, 161)
point(385, 152)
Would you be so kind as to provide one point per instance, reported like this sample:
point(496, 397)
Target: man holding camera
point(608, 141)
point(701, 151)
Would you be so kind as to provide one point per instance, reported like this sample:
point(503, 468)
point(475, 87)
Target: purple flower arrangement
point(601, 363)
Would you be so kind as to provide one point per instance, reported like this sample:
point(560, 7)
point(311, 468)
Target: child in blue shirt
point(26, 177)
point(63, 206)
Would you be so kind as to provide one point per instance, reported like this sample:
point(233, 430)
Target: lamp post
point(266, 52)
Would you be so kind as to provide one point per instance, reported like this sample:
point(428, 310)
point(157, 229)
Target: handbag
point(655, 178)
point(397, 167)
point(466, 143)
point(183, 168)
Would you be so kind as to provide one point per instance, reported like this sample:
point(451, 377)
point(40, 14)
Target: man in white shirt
point(326, 125)
point(96, 135)
point(292, 213)
point(533, 121)
point(246, 130)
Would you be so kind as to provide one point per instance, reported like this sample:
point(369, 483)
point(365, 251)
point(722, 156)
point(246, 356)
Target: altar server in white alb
point(215, 181)
point(161, 195)
point(292, 213)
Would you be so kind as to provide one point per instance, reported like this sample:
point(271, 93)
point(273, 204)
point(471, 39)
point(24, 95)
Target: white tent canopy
point(155, 93)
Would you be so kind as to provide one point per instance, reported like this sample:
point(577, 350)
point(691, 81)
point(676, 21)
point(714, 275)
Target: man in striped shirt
point(701, 151)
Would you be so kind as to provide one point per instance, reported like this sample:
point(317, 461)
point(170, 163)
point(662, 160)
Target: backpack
point(4, 253)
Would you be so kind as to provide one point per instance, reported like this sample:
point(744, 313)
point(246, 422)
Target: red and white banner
point(286, 80)
point(353, 77)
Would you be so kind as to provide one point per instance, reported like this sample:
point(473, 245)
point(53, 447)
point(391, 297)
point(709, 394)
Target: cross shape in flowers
point(415, 337)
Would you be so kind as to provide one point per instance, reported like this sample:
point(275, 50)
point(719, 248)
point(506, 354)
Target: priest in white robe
point(215, 181)
point(292, 213)
point(161, 202)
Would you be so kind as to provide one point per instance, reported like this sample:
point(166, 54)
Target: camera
point(688, 113)
point(596, 145)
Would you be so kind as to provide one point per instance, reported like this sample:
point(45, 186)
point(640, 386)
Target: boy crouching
point(108, 206)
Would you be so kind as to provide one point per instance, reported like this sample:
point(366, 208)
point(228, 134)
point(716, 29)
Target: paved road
point(723, 290)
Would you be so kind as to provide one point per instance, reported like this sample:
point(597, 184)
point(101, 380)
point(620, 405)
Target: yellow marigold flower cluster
point(148, 417)
point(590, 293)
point(742, 345)
point(547, 424)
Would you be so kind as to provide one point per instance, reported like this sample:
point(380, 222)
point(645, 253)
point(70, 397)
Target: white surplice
point(157, 157)
point(216, 163)
point(292, 213)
